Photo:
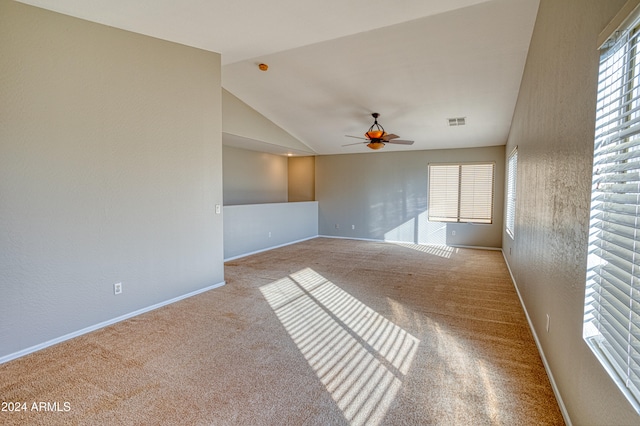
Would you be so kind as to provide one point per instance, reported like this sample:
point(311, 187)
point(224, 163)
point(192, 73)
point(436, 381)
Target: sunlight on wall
point(359, 356)
point(419, 230)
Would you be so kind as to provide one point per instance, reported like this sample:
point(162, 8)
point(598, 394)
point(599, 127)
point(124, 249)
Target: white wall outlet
point(337, 226)
point(353, 227)
point(269, 234)
point(117, 288)
point(453, 233)
point(547, 323)
point(217, 208)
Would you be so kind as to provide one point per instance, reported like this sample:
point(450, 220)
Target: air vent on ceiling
point(459, 121)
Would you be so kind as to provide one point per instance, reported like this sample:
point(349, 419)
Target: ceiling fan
point(376, 137)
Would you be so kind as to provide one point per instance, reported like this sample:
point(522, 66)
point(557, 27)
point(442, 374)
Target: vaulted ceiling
point(334, 62)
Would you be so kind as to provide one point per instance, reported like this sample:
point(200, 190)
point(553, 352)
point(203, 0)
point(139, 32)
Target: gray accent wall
point(553, 128)
point(383, 196)
point(110, 171)
point(253, 177)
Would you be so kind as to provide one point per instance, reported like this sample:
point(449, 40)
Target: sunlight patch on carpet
point(359, 356)
point(436, 250)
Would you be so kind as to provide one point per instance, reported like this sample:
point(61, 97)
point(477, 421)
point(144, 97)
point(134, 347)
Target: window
point(612, 298)
point(461, 192)
point(512, 173)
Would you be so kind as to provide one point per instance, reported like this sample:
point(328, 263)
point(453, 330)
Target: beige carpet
point(324, 332)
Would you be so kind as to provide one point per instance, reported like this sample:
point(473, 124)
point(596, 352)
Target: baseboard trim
point(352, 238)
point(269, 248)
point(556, 391)
point(103, 324)
point(407, 242)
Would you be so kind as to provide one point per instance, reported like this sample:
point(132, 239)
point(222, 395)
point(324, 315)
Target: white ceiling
point(334, 62)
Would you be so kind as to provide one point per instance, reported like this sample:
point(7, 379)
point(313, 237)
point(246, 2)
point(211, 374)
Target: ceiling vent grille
point(459, 121)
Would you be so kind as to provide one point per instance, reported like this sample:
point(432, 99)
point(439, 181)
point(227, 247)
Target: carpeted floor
point(324, 332)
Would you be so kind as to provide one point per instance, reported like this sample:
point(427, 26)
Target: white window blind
point(461, 192)
point(512, 173)
point(612, 301)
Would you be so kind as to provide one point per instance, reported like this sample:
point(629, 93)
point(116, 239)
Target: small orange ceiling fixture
point(376, 137)
point(263, 67)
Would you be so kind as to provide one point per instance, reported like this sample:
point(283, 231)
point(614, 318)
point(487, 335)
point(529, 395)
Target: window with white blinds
point(461, 192)
point(612, 301)
point(512, 173)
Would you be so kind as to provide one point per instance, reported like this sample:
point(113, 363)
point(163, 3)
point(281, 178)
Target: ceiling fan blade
point(389, 137)
point(356, 137)
point(357, 143)
point(401, 142)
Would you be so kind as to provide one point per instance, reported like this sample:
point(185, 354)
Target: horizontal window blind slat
point(617, 168)
point(622, 251)
point(617, 156)
point(610, 146)
point(615, 228)
point(617, 178)
point(616, 294)
point(619, 208)
point(618, 268)
point(614, 198)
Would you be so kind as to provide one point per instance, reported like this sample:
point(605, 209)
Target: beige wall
point(302, 178)
point(110, 170)
point(383, 196)
point(240, 119)
point(553, 128)
point(252, 177)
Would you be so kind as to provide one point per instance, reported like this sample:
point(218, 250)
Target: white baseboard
point(103, 324)
point(407, 242)
point(352, 238)
point(563, 408)
point(269, 248)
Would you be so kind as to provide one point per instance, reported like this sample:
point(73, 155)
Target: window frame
point(461, 198)
point(611, 326)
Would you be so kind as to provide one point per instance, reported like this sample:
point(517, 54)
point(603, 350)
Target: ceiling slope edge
point(241, 120)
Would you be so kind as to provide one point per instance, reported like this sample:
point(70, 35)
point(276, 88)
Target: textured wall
point(383, 195)
point(257, 227)
point(553, 127)
point(252, 177)
point(302, 178)
point(110, 170)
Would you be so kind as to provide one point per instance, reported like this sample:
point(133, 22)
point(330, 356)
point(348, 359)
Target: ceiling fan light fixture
point(375, 145)
point(375, 134)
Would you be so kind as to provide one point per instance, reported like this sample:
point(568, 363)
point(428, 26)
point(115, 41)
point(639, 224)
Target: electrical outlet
point(453, 233)
point(337, 226)
point(117, 288)
point(217, 208)
point(269, 234)
point(353, 227)
point(547, 323)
